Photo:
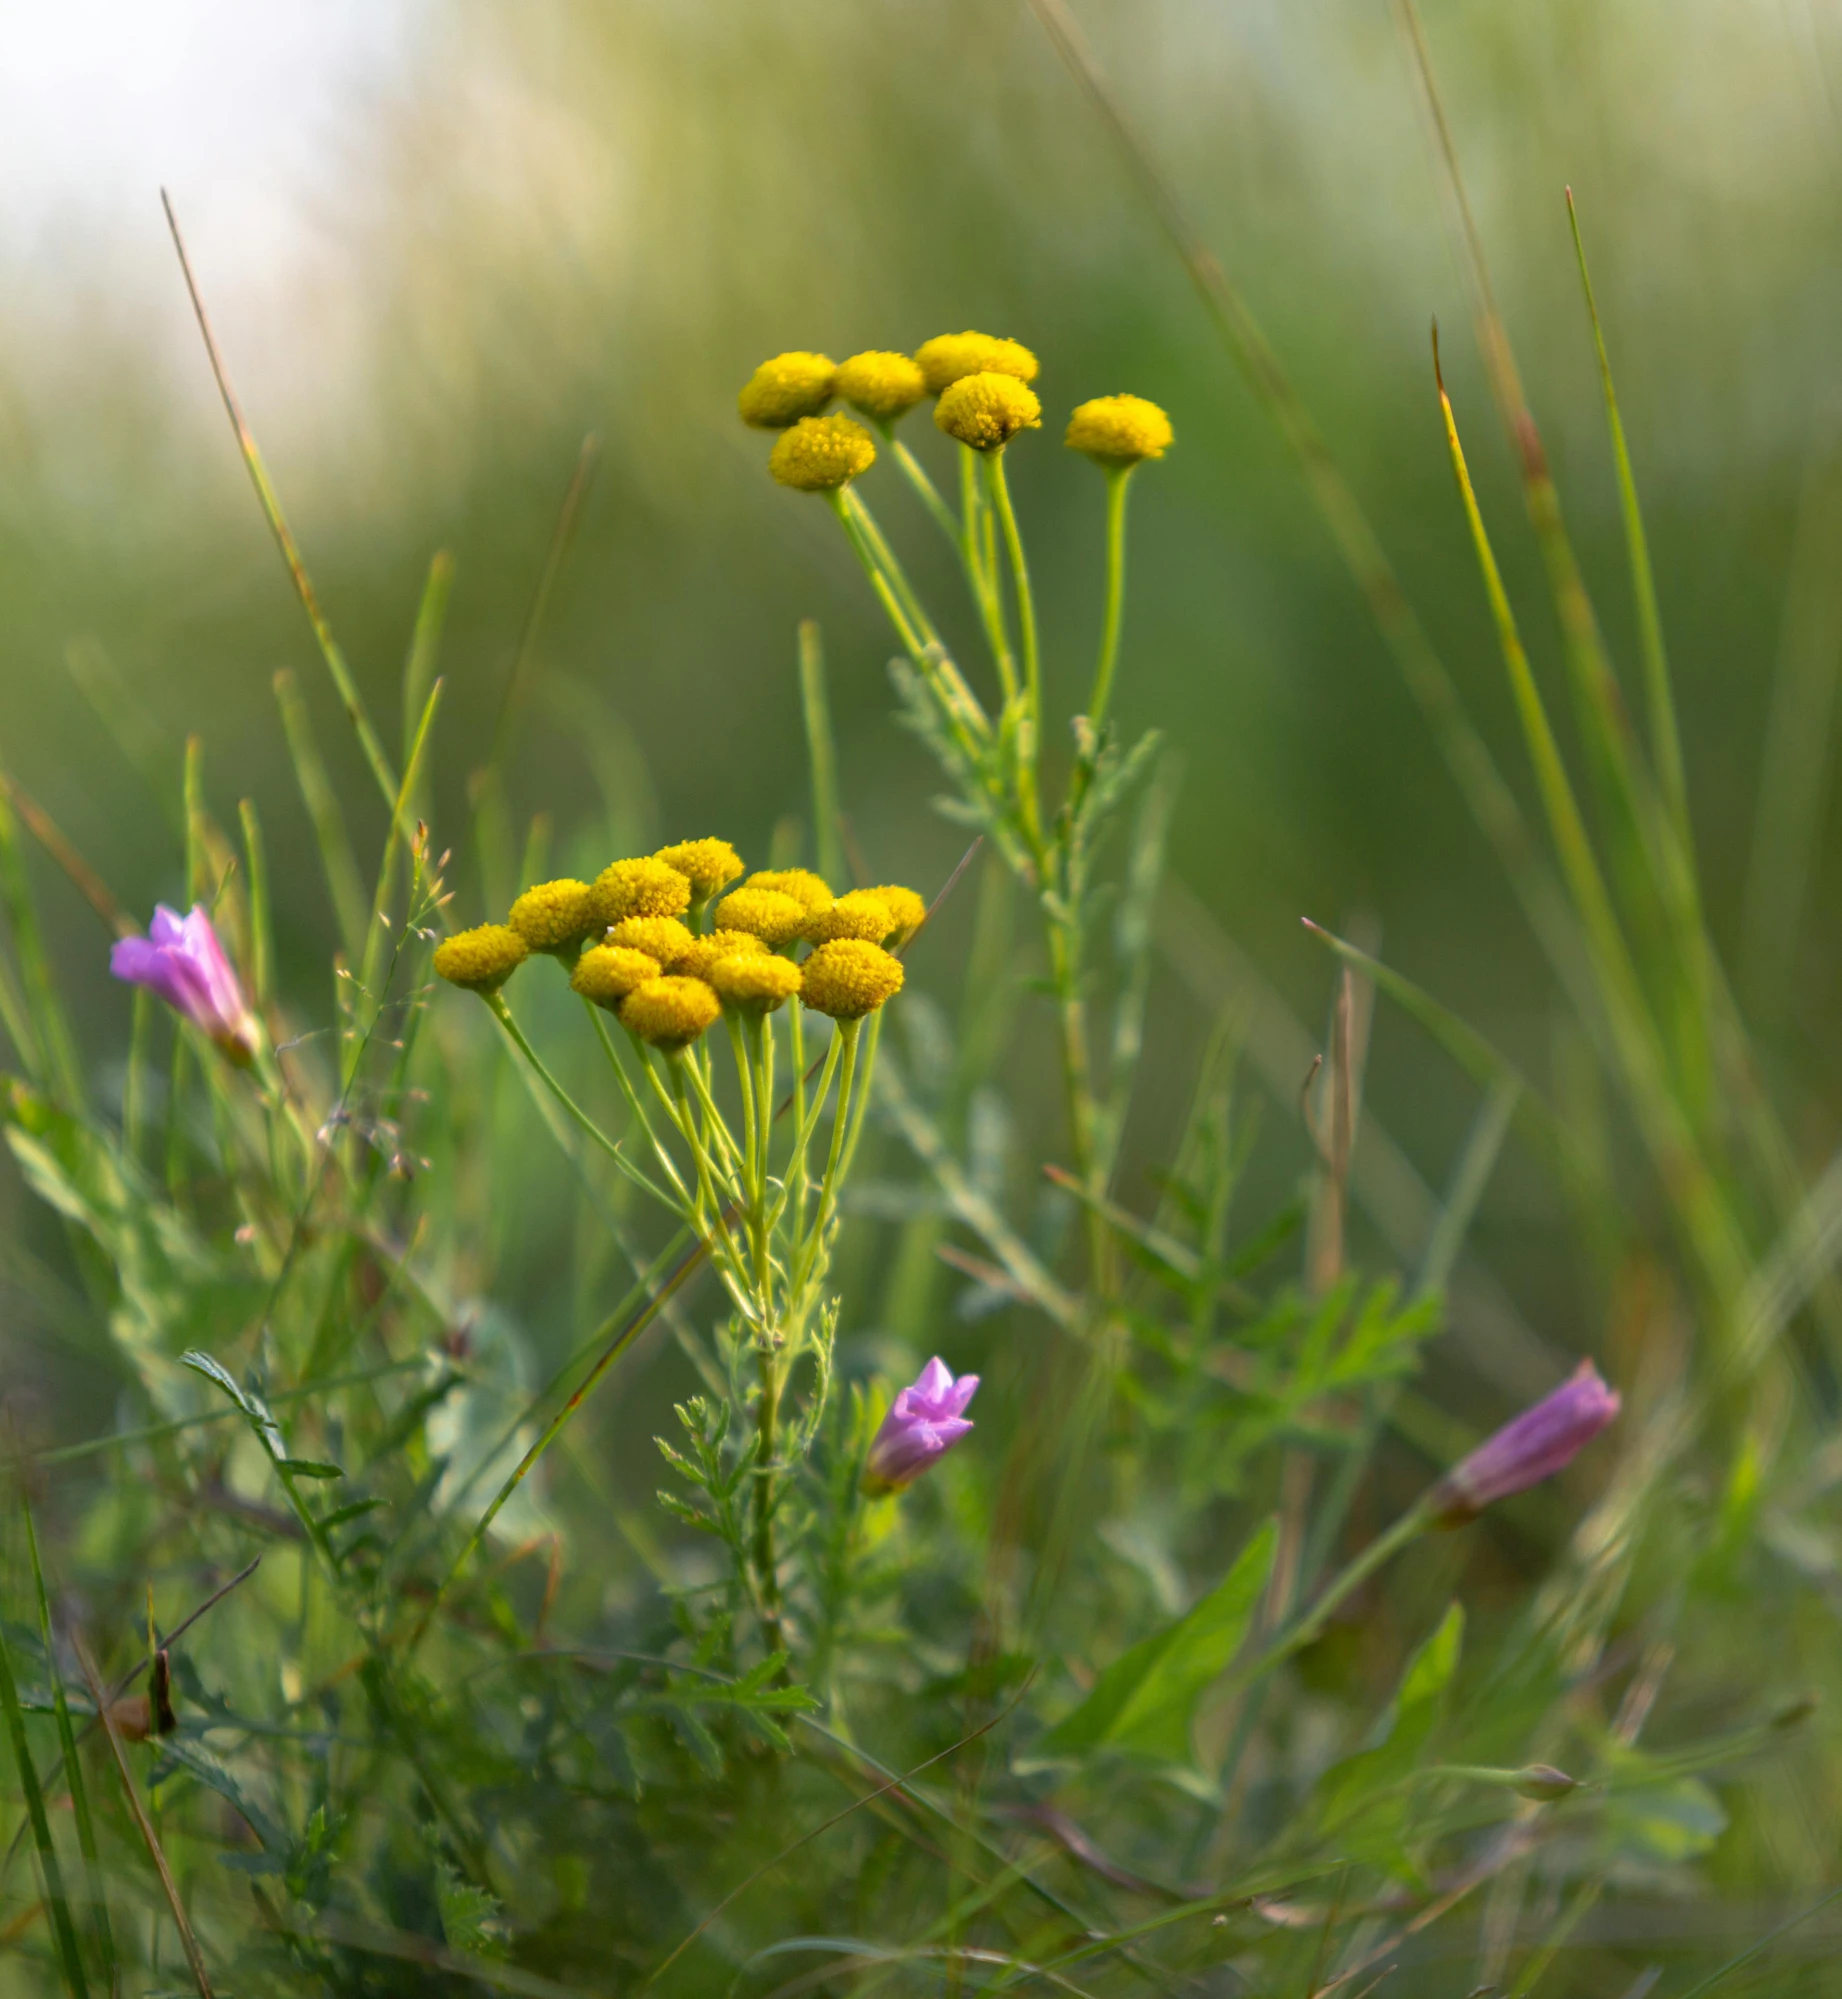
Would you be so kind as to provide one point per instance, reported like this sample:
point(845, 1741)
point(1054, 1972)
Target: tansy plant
point(667, 946)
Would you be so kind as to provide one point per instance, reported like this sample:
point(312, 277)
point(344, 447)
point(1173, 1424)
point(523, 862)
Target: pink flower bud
point(1529, 1448)
point(924, 1423)
point(183, 962)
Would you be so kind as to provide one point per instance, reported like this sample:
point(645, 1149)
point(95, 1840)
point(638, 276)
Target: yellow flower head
point(554, 916)
point(812, 892)
point(881, 385)
point(660, 937)
point(640, 888)
point(609, 972)
point(1119, 430)
point(482, 959)
point(863, 913)
point(950, 357)
point(670, 1013)
point(909, 911)
point(987, 411)
point(849, 978)
point(821, 453)
point(755, 981)
point(765, 913)
point(705, 951)
point(706, 864)
point(783, 390)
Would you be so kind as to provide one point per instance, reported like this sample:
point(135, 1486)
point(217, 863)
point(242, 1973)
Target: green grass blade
point(1665, 737)
point(1799, 738)
point(1133, 927)
point(1708, 1226)
point(349, 697)
point(73, 1767)
point(57, 1901)
point(821, 753)
point(1475, 1165)
point(136, 733)
point(377, 930)
point(46, 1046)
point(261, 920)
point(342, 882)
point(425, 642)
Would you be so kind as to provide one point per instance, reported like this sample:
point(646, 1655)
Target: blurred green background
point(442, 243)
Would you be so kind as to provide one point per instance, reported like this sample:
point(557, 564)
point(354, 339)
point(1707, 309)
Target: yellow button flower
point(481, 959)
point(755, 981)
point(660, 937)
point(670, 1013)
point(882, 385)
point(812, 892)
point(863, 913)
point(640, 888)
point(821, 453)
point(554, 916)
point(765, 913)
point(950, 357)
point(705, 951)
point(849, 978)
point(706, 864)
point(986, 411)
point(609, 972)
point(783, 390)
point(909, 911)
point(1119, 430)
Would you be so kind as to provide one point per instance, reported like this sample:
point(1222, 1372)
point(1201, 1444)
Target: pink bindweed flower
point(924, 1423)
point(183, 962)
point(1528, 1448)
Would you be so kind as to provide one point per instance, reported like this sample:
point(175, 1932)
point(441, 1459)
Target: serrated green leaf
point(1144, 1701)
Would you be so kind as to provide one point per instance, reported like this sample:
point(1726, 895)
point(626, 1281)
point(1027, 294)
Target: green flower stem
point(793, 1180)
point(912, 641)
point(861, 1111)
point(878, 544)
point(811, 1250)
point(745, 1078)
point(638, 1113)
point(1117, 479)
point(1020, 576)
point(977, 554)
point(916, 475)
point(1304, 1628)
point(726, 1155)
point(516, 1035)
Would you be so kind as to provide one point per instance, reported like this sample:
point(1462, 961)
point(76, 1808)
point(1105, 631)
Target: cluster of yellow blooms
point(983, 398)
point(633, 943)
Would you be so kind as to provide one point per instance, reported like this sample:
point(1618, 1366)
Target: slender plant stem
point(916, 474)
point(516, 1035)
point(1117, 479)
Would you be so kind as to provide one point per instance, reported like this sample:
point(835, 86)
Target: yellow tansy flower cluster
point(983, 398)
point(631, 950)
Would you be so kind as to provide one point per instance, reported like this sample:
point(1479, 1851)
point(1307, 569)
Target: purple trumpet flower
point(924, 1423)
point(1528, 1448)
point(185, 964)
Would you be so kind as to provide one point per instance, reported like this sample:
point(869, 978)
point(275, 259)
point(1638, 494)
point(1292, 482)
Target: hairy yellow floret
point(849, 978)
point(765, 913)
point(640, 888)
point(987, 411)
point(783, 390)
point(609, 972)
point(755, 981)
point(670, 1013)
point(909, 911)
point(821, 453)
point(705, 951)
point(950, 357)
point(661, 937)
point(706, 864)
point(861, 913)
point(812, 892)
point(554, 916)
point(1119, 430)
point(481, 959)
point(881, 385)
